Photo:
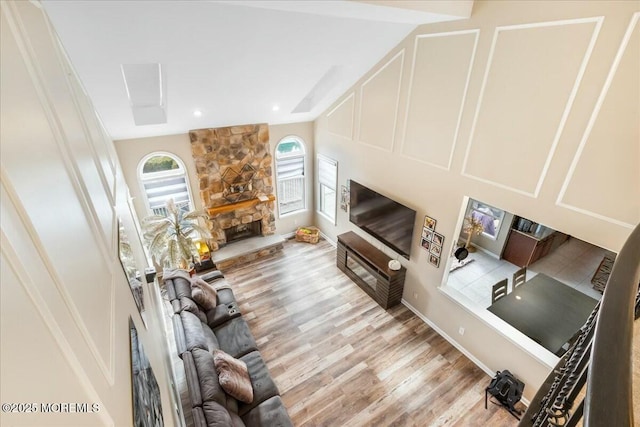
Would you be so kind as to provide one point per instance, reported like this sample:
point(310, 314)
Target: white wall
point(532, 107)
point(65, 299)
point(131, 151)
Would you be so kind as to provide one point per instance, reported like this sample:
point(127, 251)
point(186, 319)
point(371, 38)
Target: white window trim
point(333, 220)
point(304, 173)
point(182, 170)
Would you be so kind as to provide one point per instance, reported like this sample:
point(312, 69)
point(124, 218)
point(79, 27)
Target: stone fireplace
point(236, 185)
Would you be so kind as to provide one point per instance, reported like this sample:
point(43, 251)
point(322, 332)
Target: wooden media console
point(369, 268)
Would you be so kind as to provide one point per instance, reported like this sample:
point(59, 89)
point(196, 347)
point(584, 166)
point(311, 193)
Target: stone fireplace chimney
point(235, 175)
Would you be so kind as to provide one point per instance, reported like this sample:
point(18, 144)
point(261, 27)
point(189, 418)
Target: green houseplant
point(170, 238)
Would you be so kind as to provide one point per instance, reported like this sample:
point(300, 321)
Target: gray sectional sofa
point(198, 333)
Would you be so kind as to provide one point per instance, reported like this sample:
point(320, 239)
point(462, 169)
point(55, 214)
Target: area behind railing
point(593, 381)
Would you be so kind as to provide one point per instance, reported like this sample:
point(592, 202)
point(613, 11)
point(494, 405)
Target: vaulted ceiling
point(234, 62)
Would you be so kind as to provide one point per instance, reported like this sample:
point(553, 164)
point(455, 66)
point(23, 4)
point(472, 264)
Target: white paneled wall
point(65, 299)
point(532, 107)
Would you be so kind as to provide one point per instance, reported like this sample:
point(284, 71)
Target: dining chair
point(499, 290)
point(519, 277)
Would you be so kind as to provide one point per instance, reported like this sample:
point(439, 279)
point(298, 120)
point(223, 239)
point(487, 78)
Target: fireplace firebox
point(243, 231)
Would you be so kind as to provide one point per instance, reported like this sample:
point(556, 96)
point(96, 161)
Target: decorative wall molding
point(27, 51)
point(107, 367)
point(350, 97)
point(462, 102)
point(569, 104)
point(592, 119)
point(35, 73)
point(400, 56)
point(47, 317)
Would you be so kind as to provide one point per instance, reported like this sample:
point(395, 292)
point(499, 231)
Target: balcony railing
point(291, 194)
point(593, 381)
point(162, 210)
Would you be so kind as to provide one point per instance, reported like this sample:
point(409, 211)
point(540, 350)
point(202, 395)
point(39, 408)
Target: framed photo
point(426, 244)
point(435, 249)
point(438, 239)
point(344, 198)
point(427, 234)
point(434, 260)
point(429, 223)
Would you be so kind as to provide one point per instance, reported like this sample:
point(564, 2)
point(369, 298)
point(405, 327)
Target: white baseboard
point(456, 344)
point(288, 236)
point(325, 237)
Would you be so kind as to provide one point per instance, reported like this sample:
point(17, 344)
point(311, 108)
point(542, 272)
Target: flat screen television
point(383, 218)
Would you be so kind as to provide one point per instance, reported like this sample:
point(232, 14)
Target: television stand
point(369, 268)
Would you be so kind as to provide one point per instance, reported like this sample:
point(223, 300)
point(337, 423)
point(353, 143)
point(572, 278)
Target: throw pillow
point(203, 293)
point(233, 376)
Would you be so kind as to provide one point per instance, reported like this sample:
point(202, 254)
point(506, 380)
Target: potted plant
point(171, 239)
point(471, 226)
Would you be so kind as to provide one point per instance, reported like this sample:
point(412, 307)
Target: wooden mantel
point(239, 205)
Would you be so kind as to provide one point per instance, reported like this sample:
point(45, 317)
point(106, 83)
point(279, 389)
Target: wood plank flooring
point(339, 359)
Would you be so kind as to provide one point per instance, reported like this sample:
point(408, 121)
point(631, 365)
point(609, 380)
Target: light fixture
point(197, 113)
point(275, 107)
point(518, 297)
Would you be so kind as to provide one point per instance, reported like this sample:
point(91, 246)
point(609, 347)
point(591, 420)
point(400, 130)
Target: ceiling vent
point(146, 91)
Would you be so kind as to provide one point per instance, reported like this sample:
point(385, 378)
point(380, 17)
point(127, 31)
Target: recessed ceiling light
point(275, 107)
point(197, 113)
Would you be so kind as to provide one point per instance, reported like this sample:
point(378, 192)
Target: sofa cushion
point(235, 337)
point(270, 413)
point(225, 296)
point(236, 421)
point(212, 275)
point(233, 376)
point(193, 332)
point(216, 415)
point(203, 293)
point(261, 382)
point(190, 305)
point(210, 389)
point(182, 287)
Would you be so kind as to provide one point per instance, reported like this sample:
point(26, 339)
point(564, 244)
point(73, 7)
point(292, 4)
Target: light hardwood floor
point(339, 359)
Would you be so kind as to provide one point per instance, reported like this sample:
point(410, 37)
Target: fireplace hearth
point(243, 231)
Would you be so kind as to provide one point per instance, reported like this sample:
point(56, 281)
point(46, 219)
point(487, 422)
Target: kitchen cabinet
point(524, 248)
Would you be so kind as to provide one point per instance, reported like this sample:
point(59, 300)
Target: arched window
point(163, 176)
point(290, 175)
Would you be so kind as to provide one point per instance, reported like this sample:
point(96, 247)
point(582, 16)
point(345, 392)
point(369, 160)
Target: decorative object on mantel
point(471, 226)
point(171, 238)
point(308, 234)
point(238, 184)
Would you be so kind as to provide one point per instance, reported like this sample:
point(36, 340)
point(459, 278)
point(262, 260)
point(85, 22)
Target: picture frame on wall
point(426, 244)
point(344, 197)
point(427, 234)
point(434, 260)
point(438, 239)
point(435, 249)
point(147, 402)
point(429, 223)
